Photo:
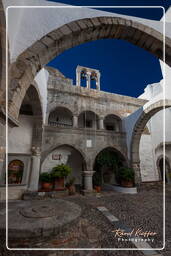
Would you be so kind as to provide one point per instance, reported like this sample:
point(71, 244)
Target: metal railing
point(58, 124)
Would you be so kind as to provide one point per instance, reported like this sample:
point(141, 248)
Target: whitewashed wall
point(70, 157)
point(147, 165)
point(20, 138)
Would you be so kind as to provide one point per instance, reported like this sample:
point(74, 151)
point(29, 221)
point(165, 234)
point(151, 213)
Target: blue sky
point(125, 69)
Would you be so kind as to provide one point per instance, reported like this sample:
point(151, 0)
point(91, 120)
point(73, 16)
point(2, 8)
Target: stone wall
point(77, 138)
point(79, 99)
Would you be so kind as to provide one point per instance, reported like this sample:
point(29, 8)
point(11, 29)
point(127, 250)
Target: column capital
point(36, 151)
point(101, 117)
point(88, 173)
point(75, 115)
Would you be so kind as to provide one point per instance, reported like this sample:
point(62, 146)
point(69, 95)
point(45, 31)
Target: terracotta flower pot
point(46, 185)
point(98, 189)
point(128, 184)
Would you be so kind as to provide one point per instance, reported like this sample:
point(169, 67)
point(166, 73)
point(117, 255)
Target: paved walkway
point(93, 229)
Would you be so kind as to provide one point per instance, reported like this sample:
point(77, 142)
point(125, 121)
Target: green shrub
point(45, 177)
point(61, 171)
point(126, 173)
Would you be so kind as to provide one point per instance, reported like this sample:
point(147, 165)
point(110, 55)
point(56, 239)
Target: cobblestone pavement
point(93, 230)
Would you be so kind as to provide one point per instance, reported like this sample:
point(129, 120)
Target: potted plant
point(126, 176)
point(70, 186)
point(60, 172)
point(97, 182)
point(46, 180)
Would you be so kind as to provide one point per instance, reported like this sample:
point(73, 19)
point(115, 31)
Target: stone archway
point(112, 122)
point(25, 140)
point(138, 130)
point(61, 117)
point(23, 71)
point(69, 155)
point(88, 119)
point(106, 166)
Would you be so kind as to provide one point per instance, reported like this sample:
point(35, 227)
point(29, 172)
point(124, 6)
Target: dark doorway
point(107, 165)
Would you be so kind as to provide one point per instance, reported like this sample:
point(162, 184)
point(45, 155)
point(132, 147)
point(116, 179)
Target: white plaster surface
point(26, 26)
point(20, 138)
point(49, 163)
point(147, 159)
point(70, 157)
point(41, 82)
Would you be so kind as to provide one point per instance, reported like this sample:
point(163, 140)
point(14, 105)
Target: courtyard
point(94, 229)
point(82, 146)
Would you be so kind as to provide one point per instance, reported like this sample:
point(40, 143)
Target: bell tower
point(92, 77)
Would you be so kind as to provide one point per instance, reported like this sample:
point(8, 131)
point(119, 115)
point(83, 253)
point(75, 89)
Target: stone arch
point(118, 150)
point(89, 109)
point(54, 106)
point(75, 33)
point(68, 153)
point(33, 97)
point(113, 121)
point(108, 173)
point(61, 116)
point(88, 119)
point(138, 130)
point(51, 149)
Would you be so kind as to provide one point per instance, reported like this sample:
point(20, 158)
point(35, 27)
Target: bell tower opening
point(88, 77)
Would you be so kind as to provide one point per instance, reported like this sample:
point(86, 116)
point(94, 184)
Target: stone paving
point(93, 230)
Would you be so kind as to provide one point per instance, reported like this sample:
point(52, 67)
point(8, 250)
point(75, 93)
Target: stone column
point(137, 174)
point(78, 77)
point(88, 79)
point(88, 180)
point(35, 169)
point(98, 81)
point(75, 121)
point(101, 123)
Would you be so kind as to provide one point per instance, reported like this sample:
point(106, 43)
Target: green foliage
point(70, 182)
point(107, 159)
point(61, 171)
point(45, 177)
point(126, 174)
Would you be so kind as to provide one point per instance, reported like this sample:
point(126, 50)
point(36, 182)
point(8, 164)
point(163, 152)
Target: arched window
point(15, 172)
point(93, 81)
point(83, 79)
point(112, 123)
point(61, 117)
point(88, 119)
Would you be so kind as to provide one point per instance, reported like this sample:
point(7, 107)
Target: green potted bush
point(70, 186)
point(60, 172)
point(126, 176)
point(46, 180)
